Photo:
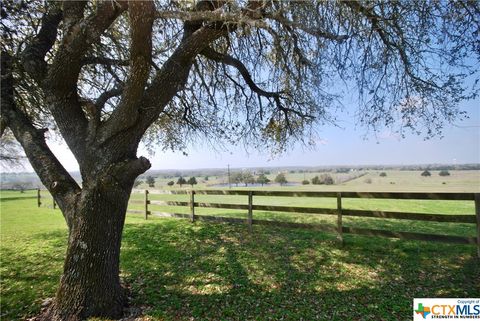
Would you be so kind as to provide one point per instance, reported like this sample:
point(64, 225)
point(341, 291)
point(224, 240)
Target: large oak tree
point(106, 75)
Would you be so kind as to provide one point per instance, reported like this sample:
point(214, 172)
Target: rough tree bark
point(104, 141)
point(105, 150)
point(95, 215)
point(90, 285)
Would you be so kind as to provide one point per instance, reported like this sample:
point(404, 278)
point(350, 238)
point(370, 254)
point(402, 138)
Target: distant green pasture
point(395, 181)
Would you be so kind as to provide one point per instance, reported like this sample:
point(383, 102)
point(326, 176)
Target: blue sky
point(335, 146)
point(348, 146)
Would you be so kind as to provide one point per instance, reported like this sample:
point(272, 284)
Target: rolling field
point(395, 181)
point(177, 270)
point(412, 181)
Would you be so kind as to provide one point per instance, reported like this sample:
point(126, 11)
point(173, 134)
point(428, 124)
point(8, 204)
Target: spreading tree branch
point(60, 84)
point(247, 18)
point(104, 61)
point(276, 96)
point(400, 48)
point(105, 96)
point(33, 56)
point(231, 61)
point(78, 39)
point(168, 80)
point(73, 12)
point(52, 174)
point(141, 21)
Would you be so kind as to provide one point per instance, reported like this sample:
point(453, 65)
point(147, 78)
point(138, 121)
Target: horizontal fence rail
point(380, 195)
point(339, 212)
point(326, 211)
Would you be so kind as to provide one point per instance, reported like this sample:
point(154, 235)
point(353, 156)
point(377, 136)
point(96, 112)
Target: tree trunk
point(90, 285)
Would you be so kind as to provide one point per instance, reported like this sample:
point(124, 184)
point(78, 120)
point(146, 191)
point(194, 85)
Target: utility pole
point(229, 183)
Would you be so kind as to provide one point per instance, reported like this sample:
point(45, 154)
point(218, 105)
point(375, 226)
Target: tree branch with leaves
point(109, 75)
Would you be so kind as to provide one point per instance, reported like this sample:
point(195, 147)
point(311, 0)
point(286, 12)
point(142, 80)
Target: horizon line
point(286, 166)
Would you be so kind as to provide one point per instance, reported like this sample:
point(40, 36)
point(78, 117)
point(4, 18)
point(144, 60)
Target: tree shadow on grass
point(30, 272)
point(204, 271)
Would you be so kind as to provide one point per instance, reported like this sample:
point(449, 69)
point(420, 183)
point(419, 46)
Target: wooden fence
point(339, 212)
point(45, 195)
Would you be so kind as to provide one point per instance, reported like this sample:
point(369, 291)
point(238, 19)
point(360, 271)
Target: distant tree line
point(426, 173)
point(324, 179)
point(247, 177)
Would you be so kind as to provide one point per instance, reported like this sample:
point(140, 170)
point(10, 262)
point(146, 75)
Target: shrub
point(19, 187)
point(262, 179)
point(181, 181)
point(248, 178)
point(236, 178)
point(192, 181)
point(383, 174)
point(305, 182)
point(444, 173)
point(426, 173)
point(150, 181)
point(326, 179)
point(281, 179)
point(171, 183)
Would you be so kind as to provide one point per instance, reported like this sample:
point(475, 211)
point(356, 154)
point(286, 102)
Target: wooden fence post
point(477, 214)
point(146, 204)
point(39, 202)
point(339, 218)
point(192, 206)
point(250, 210)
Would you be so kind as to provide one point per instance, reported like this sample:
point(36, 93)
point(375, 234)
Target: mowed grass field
point(415, 206)
point(177, 270)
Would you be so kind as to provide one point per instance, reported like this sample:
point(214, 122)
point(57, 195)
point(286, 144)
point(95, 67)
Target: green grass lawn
point(177, 270)
point(416, 206)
